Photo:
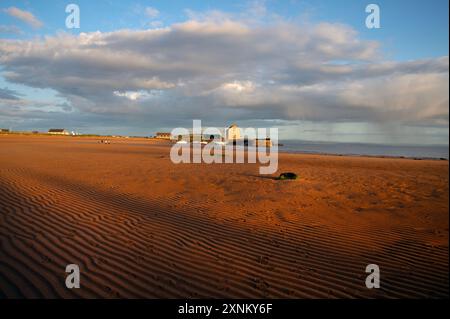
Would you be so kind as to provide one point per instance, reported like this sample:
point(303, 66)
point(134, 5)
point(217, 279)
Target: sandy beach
point(140, 226)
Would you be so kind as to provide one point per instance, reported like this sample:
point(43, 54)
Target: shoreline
point(280, 148)
point(416, 158)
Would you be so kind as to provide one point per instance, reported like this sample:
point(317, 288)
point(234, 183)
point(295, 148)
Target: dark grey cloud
point(7, 94)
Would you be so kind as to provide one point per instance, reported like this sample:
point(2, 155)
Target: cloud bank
point(221, 69)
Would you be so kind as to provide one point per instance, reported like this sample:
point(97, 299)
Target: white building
point(164, 135)
point(233, 133)
point(58, 131)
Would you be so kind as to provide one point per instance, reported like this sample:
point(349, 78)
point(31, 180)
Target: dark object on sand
point(284, 176)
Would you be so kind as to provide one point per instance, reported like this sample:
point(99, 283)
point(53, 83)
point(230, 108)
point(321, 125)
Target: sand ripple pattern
point(129, 247)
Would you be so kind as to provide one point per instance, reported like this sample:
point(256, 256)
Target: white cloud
point(151, 12)
point(10, 29)
point(25, 16)
point(239, 86)
point(156, 24)
point(135, 95)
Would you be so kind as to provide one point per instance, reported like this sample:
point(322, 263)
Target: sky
point(311, 68)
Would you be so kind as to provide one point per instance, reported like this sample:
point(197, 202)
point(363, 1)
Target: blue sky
point(412, 42)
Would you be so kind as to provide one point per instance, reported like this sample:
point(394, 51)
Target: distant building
point(233, 133)
point(264, 142)
point(58, 131)
point(212, 137)
point(164, 135)
point(4, 130)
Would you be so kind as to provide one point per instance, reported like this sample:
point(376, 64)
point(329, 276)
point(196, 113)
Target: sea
point(361, 149)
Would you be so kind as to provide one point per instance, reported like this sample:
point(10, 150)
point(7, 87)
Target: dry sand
point(140, 226)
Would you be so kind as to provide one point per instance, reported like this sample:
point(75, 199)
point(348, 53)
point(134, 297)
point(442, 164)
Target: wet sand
point(140, 226)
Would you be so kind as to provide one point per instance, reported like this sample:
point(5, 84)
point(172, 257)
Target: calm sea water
point(420, 151)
